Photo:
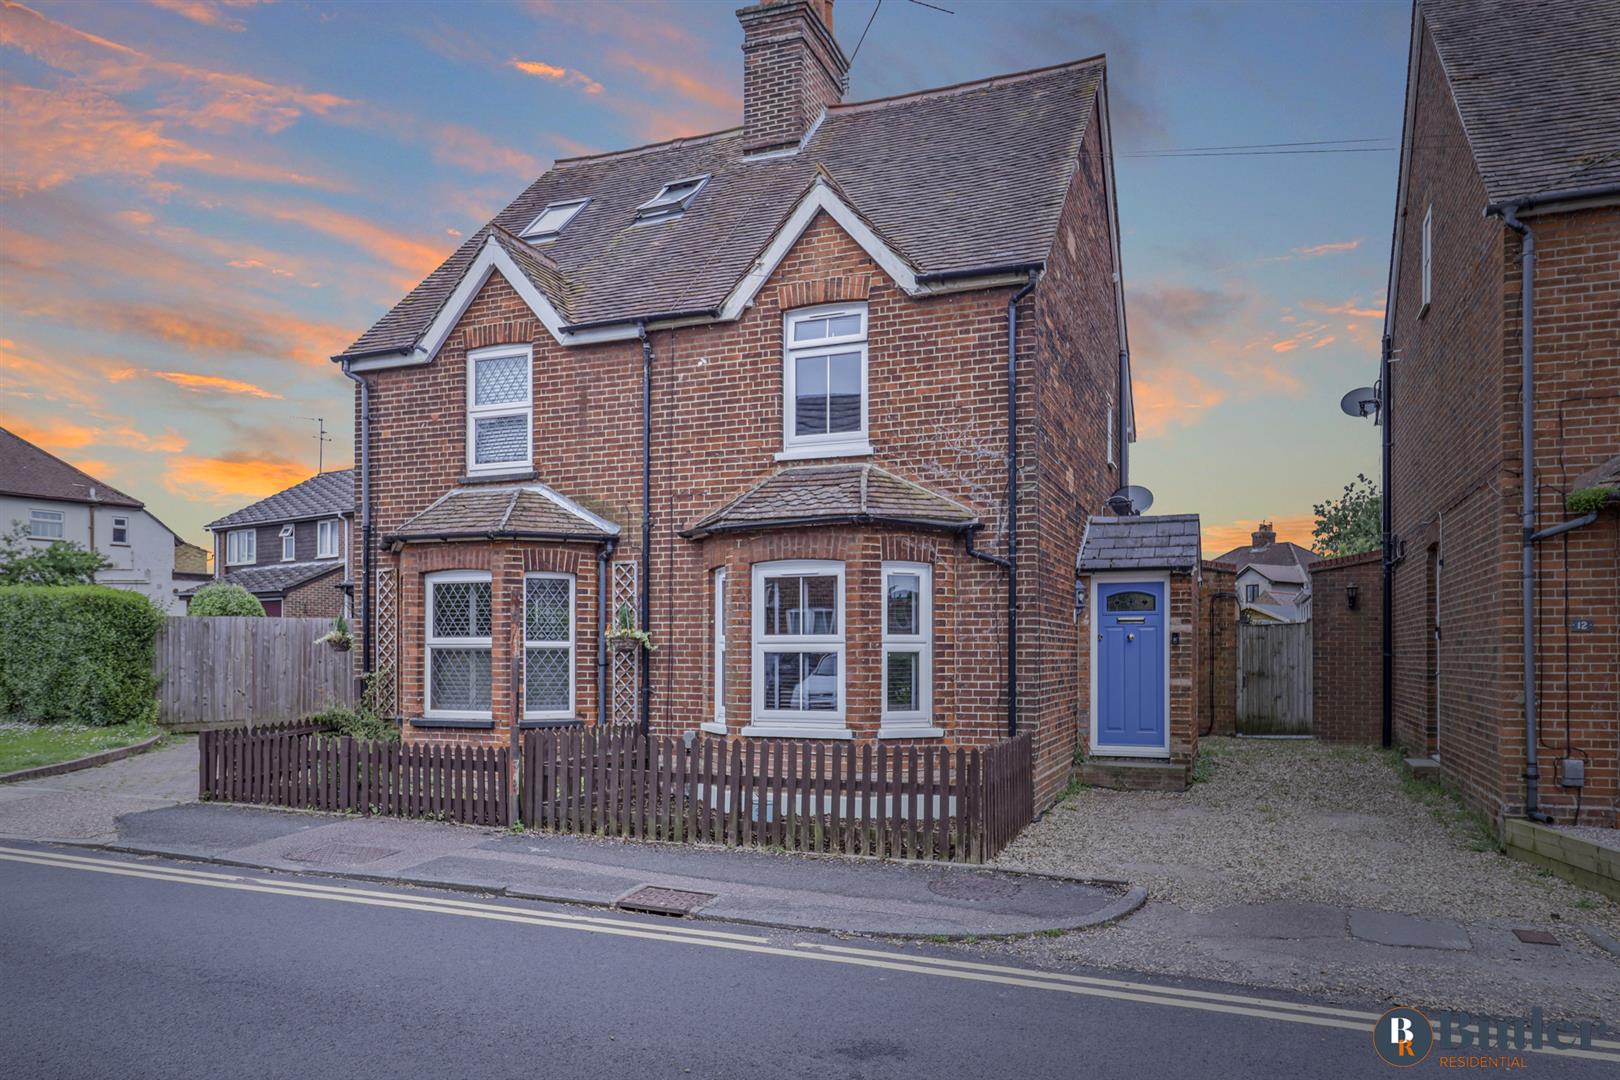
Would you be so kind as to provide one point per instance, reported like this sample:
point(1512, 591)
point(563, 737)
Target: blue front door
point(1130, 667)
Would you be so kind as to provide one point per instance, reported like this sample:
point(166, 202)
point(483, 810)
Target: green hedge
point(77, 654)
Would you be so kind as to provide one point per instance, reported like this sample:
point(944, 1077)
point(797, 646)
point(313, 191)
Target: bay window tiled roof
point(834, 494)
point(503, 512)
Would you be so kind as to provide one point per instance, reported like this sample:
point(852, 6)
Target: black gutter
point(983, 271)
point(496, 534)
point(1563, 527)
point(368, 649)
point(1124, 441)
point(1012, 502)
point(828, 519)
point(1387, 541)
point(1527, 202)
point(646, 521)
point(392, 350)
point(604, 555)
point(642, 320)
point(970, 532)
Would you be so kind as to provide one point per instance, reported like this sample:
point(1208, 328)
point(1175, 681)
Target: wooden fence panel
point(225, 672)
point(1274, 678)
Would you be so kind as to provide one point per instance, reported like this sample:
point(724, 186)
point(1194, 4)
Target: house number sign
point(1580, 626)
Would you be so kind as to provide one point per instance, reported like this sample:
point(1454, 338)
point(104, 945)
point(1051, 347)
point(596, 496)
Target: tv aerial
point(1130, 501)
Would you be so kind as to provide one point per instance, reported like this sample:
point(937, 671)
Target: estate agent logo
point(1403, 1037)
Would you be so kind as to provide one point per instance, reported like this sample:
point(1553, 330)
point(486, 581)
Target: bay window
point(458, 645)
point(500, 409)
point(824, 409)
point(908, 649)
point(798, 678)
point(548, 647)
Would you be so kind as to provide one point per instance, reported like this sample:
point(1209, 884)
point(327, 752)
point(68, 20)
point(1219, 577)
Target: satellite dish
point(1130, 501)
point(1360, 403)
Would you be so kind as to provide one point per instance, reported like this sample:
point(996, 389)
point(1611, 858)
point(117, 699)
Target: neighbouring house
point(291, 549)
point(52, 500)
point(1273, 580)
point(1501, 400)
point(748, 393)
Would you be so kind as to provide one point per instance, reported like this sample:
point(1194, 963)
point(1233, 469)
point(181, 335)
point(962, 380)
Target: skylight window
point(553, 219)
point(672, 199)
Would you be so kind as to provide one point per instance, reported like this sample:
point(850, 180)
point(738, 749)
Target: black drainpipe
point(1120, 436)
point(1012, 502)
point(604, 589)
point(1387, 527)
point(368, 650)
point(646, 520)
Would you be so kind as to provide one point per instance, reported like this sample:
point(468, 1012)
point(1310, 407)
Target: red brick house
point(1501, 392)
point(291, 549)
point(821, 404)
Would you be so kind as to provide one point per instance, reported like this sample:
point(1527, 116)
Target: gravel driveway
point(1281, 835)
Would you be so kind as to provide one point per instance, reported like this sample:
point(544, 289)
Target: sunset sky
point(202, 200)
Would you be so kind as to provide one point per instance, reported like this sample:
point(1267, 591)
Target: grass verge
point(27, 746)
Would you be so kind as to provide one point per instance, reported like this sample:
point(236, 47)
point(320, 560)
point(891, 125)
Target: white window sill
point(503, 471)
point(713, 727)
point(785, 730)
point(910, 731)
point(826, 450)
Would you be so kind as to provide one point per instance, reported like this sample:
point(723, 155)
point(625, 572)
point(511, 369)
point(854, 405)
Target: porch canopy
point(1165, 542)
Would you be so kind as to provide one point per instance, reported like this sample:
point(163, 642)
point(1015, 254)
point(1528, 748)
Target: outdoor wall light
point(1352, 592)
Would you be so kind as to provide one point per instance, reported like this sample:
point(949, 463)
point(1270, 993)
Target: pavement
point(84, 806)
point(198, 971)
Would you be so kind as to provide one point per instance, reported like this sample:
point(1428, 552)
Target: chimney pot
point(793, 68)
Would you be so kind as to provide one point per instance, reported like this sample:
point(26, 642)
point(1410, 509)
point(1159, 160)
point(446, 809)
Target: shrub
point(24, 562)
point(222, 599)
point(77, 653)
point(362, 722)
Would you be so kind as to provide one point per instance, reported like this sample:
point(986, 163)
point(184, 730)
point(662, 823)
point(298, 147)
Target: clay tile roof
point(523, 511)
point(278, 577)
point(323, 495)
point(1164, 542)
point(28, 471)
point(1537, 83)
point(834, 494)
point(962, 178)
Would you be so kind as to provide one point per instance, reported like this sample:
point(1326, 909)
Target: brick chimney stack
point(792, 69)
point(1264, 536)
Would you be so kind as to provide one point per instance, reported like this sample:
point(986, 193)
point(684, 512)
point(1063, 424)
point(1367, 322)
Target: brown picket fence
point(294, 765)
point(927, 802)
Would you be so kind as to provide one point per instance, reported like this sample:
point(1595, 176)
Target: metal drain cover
point(656, 900)
point(340, 854)
point(1535, 937)
point(973, 887)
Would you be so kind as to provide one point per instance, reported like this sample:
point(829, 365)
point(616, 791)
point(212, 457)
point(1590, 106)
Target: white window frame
point(289, 542)
point(239, 552)
point(918, 722)
point(798, 723)
point(430, 642)
point(573, 653)
point(1428, 259)
point(327, 529)
point(534, 232)
point(830, 444)
point(39, 516)
point(661, 208)
point(524, 408)
point(120, 524)
point(716, 725)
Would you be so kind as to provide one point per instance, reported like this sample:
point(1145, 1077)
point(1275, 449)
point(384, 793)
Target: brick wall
point(1217, 649)
point(1456, 486)
point(1347, 649)
point(792, 69)
point(318, 598)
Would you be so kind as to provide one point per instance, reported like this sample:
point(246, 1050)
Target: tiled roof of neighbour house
point(1163, 542)
point(513, 511)
point(322, 495)
point(1605, 474)
point(27, 470)
point(971, 177)
point(1537, 85)
point(1276, 553)
point(275, 577)
point(1287, 573)
point(834, 494)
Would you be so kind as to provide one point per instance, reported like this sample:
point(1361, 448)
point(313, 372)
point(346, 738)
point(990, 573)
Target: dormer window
point(672, 199)
point(553, 219)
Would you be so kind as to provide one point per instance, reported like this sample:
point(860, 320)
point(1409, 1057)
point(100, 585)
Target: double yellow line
point(687, 934)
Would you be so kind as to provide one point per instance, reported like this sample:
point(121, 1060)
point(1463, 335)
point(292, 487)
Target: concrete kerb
point(89, 761)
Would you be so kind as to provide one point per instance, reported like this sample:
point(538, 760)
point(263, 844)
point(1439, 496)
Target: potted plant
point(338, 637)
point(624, 635)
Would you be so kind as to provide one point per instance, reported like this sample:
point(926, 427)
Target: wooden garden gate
point(1274, 679)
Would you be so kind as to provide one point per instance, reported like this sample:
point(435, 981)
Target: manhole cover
point(1535, 937)
point(973, 887)
point(341, 854)
point(656, 900)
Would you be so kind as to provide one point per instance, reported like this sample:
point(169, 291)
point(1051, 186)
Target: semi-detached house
point(821, 404)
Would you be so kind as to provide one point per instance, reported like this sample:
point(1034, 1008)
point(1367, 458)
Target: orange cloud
point(232, 476)
point(1323, 343)
point(700, 87)
point(1286, 345)
point(1161, 401)
point(1351, 307)
point(60, 434)
point(188, 380)
point(207, 12)
point(1220, 538)
point(551, 72)
point(415, 259)
point(470, 149)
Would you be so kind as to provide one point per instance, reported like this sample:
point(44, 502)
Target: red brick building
point(747, 393)
point(1509, 160)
